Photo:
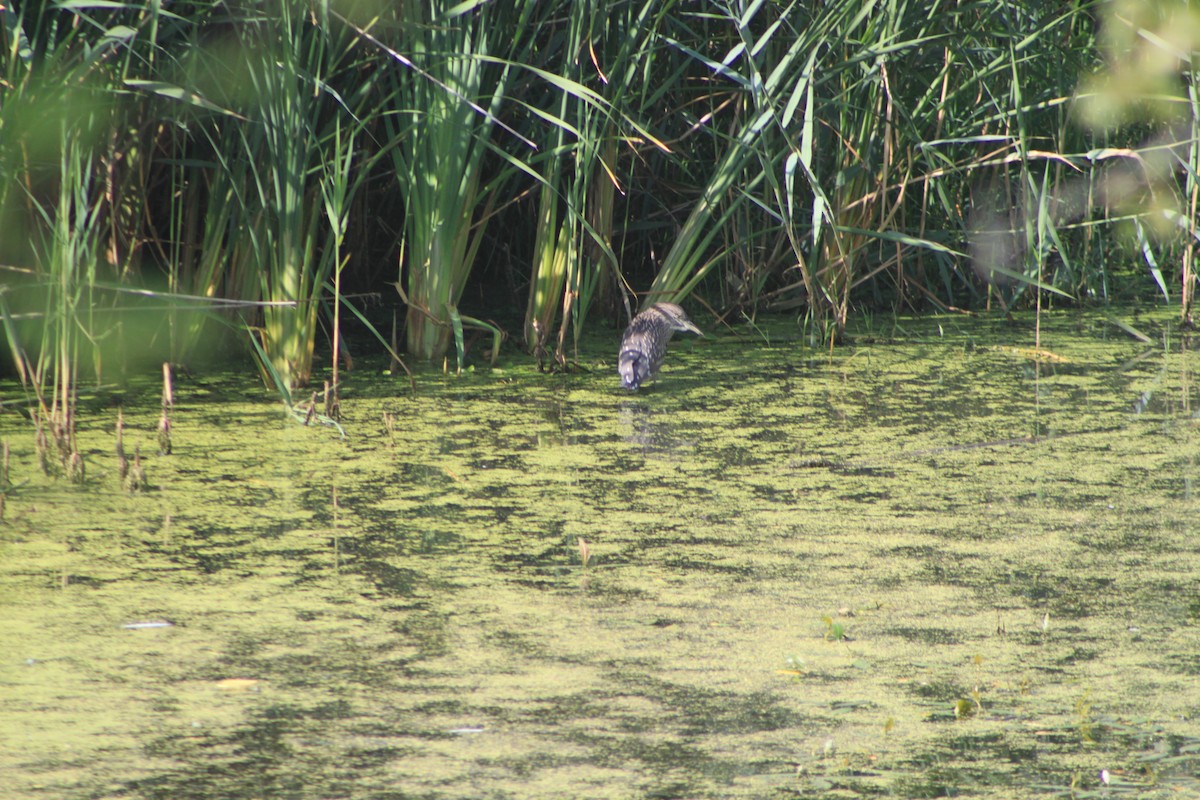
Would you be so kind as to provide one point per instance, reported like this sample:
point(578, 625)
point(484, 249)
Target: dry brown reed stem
point(164, 434)
point(539, 344)
point(389, 425)
point(75, 468)
point(164, 422)
point(42, 445)
point(57, 421)
point(62, 428)
point(4, 483)
point(74, 462)
point(135, 481)
point(122, 460)
point(168, 398)
point(333, 403)
point(61, 441)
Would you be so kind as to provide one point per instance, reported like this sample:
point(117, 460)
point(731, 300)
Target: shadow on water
point(929, 566)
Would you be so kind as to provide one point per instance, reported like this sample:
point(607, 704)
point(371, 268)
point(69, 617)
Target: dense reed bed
point(173, 178)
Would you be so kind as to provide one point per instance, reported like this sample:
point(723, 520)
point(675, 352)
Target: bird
point(645, 342)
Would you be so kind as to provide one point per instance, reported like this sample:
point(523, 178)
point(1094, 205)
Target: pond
point(933, 561)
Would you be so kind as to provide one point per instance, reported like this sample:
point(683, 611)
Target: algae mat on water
point(932, 562)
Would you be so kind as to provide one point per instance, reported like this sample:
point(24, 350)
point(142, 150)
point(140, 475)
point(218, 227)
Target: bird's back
point(645, 342)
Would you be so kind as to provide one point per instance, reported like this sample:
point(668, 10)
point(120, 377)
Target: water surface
point(932, 562)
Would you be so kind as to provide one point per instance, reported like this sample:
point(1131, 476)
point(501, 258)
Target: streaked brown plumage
point(645, 342)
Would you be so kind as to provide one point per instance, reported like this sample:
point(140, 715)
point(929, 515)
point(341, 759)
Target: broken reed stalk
point(389, 425)
point(135, 481)
point(4, 482)
point(64, 424)
point(63, 430)
point(76, 471)
point(168, 398)
point(122, 460)
point(58, 429)
point(312, 409)
point(164, 422)
point(41, 445)
point(333, 403)
point(164, 434)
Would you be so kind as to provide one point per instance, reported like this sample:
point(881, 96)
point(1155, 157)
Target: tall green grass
point(295, 156)
point(447, 93)
point(60, 220)
point(591, 121)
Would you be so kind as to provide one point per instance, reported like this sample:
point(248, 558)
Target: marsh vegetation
point(916, 517)
point(173, 181)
